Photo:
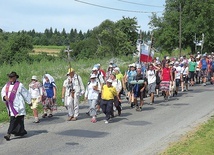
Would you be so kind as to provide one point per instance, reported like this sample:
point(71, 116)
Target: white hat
point(117, 68)
point(93, 76)
point(138, 66)
point(94, 69)
point(198, 52)
point(132, 65)
point(157, 58)
point(34, 77)
point(109, 80)
point(176, 63)
point(204, 55)
point(167, 57)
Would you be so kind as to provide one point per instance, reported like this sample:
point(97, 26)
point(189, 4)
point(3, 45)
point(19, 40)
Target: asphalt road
point(132, 133)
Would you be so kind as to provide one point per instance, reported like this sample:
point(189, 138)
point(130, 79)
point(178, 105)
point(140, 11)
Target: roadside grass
point(58, 70)
point(199, 142)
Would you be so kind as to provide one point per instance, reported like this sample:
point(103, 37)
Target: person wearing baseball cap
point(108, 94)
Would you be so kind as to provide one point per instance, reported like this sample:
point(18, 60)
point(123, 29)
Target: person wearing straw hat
point(36, 91)
point(73, 88)
point(15, 95)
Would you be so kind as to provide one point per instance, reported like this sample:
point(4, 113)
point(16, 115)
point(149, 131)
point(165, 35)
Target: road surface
point(132, 133)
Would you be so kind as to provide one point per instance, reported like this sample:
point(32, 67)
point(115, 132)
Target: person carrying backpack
point(204, 68)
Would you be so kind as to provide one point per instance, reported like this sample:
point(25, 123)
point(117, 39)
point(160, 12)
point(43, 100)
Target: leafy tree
point(196, 19)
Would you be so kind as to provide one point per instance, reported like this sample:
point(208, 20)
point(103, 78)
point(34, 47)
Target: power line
point(141, 4)
point(124, 10)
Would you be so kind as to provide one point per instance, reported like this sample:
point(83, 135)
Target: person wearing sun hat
point(73, 88)
point(15, 95)
point(36, 91)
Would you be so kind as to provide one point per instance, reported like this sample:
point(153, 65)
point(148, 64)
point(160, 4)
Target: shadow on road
point(54, 119)
point(148, 108)
point(84, 133)
point(30, 133)
point(138, 123)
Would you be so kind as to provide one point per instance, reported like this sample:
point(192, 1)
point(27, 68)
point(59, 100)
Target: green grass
point(200, 142)
point(57, 69)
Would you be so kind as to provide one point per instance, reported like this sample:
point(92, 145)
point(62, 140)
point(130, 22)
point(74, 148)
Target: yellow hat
point(70, 70)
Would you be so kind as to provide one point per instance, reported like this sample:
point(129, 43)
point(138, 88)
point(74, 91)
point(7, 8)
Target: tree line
point(108, 39)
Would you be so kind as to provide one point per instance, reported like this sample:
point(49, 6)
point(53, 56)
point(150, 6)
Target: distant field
point(51, 50)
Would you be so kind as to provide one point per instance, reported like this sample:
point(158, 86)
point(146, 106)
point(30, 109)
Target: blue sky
point(16, 15)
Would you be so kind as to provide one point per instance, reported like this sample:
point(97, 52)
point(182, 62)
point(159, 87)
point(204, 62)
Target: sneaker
point(151, 103)
point(93, 120)
point(106, 122)
point(7, 137)
point(44, 115)
point(36, 121)
point(204, 84)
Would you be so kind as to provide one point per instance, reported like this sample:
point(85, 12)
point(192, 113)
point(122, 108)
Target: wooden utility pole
point(180, 29)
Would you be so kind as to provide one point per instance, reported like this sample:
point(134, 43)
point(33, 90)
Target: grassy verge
point(57, 69)
point(200, 142)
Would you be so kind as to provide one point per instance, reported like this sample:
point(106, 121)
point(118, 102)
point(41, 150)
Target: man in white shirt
point(75, 89)
point(177, 76)
point(151, 77)
point(184, 77)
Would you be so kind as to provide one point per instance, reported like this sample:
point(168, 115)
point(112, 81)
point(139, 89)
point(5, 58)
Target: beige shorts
point(35, 103)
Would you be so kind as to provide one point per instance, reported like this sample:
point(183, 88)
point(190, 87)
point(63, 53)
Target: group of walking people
point(105, 88)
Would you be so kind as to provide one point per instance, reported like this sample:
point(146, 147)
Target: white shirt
point(184, 71)
point(117, 84)
point(35, 89)
point(178, 72)
point(78, 85)
point(150, 74)
point(90, 93)
point(68, 86)
point(22, 96)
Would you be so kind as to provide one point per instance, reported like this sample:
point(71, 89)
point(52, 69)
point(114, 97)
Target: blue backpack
point(203, 64)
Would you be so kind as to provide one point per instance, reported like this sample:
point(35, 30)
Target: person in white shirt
point(15, 95)
point(118, 85)
point(35, 89)
point(73, 88)
point(92, 92)
point(151, 77)
point(184, 77)
point(177, 76)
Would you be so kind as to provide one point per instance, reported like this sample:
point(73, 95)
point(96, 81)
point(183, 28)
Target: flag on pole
point(145, 54)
